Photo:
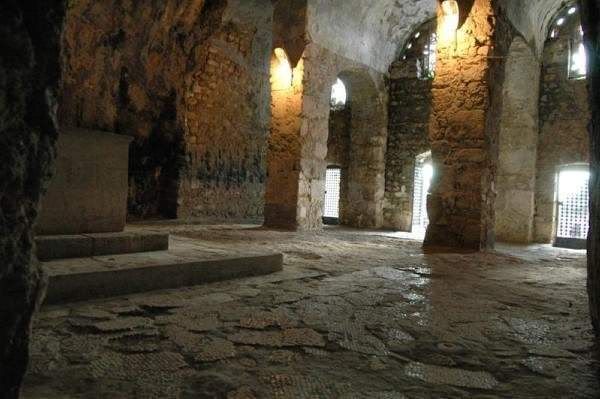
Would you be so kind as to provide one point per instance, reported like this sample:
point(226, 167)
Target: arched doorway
point(411, 78)
point(356, 147)
point(563, 118)
point(572, 206)
point(422, 183)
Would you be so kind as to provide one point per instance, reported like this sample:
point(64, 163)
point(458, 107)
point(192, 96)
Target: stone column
point(459, 205)
point(283, 159)
point(518, 145)
point(590, 14)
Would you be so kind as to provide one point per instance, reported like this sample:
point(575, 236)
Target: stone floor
point(353, 315)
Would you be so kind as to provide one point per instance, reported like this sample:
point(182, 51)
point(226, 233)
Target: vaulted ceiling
point(373, 31)
point(532, 17)
point(368, 31)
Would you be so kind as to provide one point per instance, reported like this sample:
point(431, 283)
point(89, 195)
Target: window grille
point(573, 204)
point(332, 193)
point(422, 182)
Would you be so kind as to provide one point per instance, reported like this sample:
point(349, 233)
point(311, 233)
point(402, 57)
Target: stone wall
point(29, 76)
point(189, 80)
point(518, 145)
point(408, 136)
point(563, 135)
point(228, 116)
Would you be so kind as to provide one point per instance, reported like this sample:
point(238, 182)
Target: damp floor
point(354, 314)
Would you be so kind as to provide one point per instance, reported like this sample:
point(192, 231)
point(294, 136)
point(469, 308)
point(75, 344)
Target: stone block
point(59, 247)
point(88, 193)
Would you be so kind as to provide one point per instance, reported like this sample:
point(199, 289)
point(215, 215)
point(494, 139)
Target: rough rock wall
point(29, 75)
point(228, 117)
point(563, 135)
point(408, 136)
point(160, 73)
point(518, 145)
point(590, 17)
point(459, 203)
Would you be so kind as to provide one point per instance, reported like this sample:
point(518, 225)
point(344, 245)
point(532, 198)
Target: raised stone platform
point(99, 277)
point(86, 245)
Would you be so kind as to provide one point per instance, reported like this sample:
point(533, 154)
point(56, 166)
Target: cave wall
point(563, 138)
point(160, 73)
point(29, 76)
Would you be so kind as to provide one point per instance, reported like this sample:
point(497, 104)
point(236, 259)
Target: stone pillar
point(518, 145)
point(459, 205)
point(590, 14)
point(283, 159)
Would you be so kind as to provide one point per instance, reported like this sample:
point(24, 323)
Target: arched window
point(339, 96)
point(567, 24)
point(422, 48)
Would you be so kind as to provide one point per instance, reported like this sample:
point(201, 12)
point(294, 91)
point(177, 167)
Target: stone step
point(83, 279)
point(86, 245)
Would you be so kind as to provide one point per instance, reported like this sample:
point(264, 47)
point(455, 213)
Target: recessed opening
point(331, 211)
point(572, 215)
point(422, 183)
point(339, 95)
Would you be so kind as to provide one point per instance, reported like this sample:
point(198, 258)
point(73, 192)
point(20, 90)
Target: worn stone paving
point(353, 315)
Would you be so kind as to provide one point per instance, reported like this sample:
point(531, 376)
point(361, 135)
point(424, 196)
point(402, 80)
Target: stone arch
point(408, 130)
point(564, 115)
point(365, 180)
point(517, 145)
point(298, 143)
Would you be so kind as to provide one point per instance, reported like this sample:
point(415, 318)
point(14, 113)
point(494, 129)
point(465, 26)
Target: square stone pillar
point(284, 150)
point(461, 204)
point(296, 164)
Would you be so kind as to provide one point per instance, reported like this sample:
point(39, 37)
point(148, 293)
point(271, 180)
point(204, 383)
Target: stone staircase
point(92, 266)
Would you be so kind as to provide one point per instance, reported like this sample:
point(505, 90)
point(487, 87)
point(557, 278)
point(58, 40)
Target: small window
point(339, 96)
point(427, 62)
point(422, 49)
point(421, 186)
point(577, 56)
point(567, 26)
point(331, 211)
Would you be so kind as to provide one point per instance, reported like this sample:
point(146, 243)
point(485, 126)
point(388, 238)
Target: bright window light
point(339, 96)
point(572, 10)
point(577, 58)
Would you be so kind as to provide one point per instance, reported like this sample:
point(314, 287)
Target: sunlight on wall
point(282, 74)
point(449, 22)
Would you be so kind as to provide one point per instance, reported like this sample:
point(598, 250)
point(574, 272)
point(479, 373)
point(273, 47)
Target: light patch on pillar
point(449, 22)
point(282, 75)
point(281, 193)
